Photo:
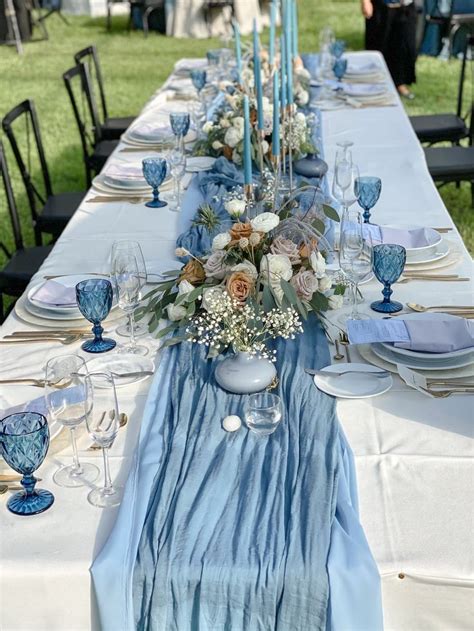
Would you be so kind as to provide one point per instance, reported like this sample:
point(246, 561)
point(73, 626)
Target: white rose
point(274, 267)
point(303, 97)
point(266, 103)
point(303, 73)
point(207, 127)
point(318, 264)
point(185, 287)
point(235, 207)
point(236, 157)
point(233, 137)
point(216, 145)
point(224, 123)
point(176, 312)
point(336, 302)
point(325, 283)
point(264, 222)
point(210, 295)
point(220, 241)
point(247, 267)
point(300, 118)
point(265, 146)
point(238, 122)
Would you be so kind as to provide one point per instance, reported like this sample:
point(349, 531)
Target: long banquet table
point(413, 454)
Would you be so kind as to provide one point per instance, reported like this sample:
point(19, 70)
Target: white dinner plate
point(102, 183)
point(121, 363)
point(159, 135)
point(366, 352)
point(126, 183)
point(364, 89)
point(433, 237)
point(405, 352)
point(429, 256)
point(353, 386)
point(422, 362)
point(453, 258)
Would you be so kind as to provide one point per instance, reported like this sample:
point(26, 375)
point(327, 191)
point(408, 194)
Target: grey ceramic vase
point(311, 166)
point(243, 373)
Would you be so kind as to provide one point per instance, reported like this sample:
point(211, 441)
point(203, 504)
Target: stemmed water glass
point(198, 79)
point(68, 406)
point(345, 175)
point(367, 190)
point(24, 442)
point(355, 255)
point(154, 172)
point(180, 122)
point(102, 421)
point(94, 298)
point(338, 48)
point(177, 164)
point(133, 247)
point(389, 261)
point(128, 283)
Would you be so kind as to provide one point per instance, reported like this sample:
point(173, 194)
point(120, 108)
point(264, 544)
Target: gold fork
point(443, 394)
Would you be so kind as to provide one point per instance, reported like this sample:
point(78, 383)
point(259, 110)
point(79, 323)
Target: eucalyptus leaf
point(319, 302)
point(268, 299)
point(168, 329)
point(331, 213)
point(173, 341)
point(319, 226)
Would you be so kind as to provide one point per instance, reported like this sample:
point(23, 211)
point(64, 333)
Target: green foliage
point(207, 218)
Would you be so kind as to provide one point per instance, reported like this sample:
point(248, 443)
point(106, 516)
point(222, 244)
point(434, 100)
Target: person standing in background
point(390, 27)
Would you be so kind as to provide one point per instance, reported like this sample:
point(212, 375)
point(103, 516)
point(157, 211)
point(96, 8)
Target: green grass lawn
point(135, 67)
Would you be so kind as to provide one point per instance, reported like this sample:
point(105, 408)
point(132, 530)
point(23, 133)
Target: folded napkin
point(55, 294)
point(440, 334)
point(409, 238)
point(152, 128)
point(125, 170)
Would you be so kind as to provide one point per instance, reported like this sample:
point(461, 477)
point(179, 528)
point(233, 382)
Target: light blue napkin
point(429, 333)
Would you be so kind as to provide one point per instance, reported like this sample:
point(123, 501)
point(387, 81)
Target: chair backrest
point(77, 84)
point(467, 58)
point(90, 56)
point(26, 112)
point(12, 209)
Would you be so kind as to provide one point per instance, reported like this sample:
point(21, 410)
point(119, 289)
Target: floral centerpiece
point(262, 277)
point(225, 135)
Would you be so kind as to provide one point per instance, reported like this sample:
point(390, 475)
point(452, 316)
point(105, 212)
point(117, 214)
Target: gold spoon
point(422, 309)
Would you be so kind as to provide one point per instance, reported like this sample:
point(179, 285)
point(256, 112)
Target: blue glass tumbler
point(94, 299)
point(389, 261)
point(339, 68)
point(154, 172)
point(24, 442)
point(367, 190)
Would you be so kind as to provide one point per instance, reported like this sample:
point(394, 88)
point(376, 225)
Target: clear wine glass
point(102, 422)
point(345, 176)
point(128, 283)
point(68, 400)
point(355, 255)
point(177, 165)
point(133, 247)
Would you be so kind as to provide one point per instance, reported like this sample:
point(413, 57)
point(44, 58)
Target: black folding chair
point(434, 128)
point(146, 8)
point(23, 262)
point(111, 128)
point(453, 164)
point(50, 212)
point(95, 149)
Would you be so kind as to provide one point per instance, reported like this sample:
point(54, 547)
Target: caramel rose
point(193, 272)
point(239, 286)
point(240, 230)
point(307, 248)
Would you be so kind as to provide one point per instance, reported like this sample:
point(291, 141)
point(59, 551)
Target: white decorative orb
point(231, 423)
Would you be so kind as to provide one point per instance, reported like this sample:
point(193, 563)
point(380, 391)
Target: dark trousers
point(393, 33)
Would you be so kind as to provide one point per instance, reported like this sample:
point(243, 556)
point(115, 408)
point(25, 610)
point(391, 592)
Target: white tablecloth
point(413, 454)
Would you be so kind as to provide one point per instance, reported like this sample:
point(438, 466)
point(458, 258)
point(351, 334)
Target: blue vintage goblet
point(24, 442)
point(154, 172)
point(339, 68)
point(367, 190)
point(180, 122)
point(389, 261)
point(94, 299)
point(338, 48)
point(198, 78)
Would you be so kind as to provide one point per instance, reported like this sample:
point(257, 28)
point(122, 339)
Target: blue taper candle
point(238, 50)
point(289, 57)
point(294, 15)
point(273, 9)
point(247, 154)
point(276, 115)
point(283, 71)
point(257, 69)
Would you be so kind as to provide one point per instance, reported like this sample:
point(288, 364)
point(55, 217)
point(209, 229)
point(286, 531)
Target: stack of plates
point(34, 311)
point(423, 361)
point(152, 134)
point(369, 72)
point(105, 185)
point(364, 90)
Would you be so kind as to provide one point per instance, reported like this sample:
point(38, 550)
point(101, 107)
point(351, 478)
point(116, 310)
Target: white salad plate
point(439, 252)
point(422, 363)
point(353, 386)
